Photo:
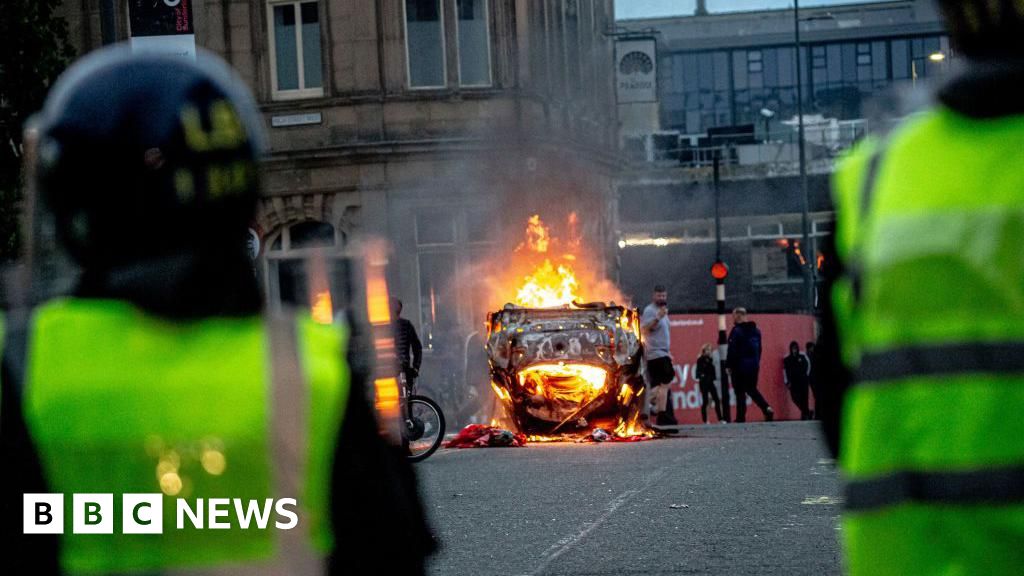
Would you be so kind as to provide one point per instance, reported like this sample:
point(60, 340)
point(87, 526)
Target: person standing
point(706, 376)
point(408, 347)
point(922, 338)
point(795, 374)
point(744, 362)
point(657, 344)
point(160, 374)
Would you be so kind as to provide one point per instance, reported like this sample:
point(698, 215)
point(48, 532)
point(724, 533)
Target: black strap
point(867, 195)
point(997, 486)
point(942, 360)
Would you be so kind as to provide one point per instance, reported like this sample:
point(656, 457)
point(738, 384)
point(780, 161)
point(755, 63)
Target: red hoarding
point(691, 331)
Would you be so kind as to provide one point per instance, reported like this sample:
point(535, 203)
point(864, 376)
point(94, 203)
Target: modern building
point(727, 86)
point(440, 125)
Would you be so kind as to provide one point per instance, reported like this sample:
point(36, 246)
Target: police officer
point(159, 374)
point(927, 320)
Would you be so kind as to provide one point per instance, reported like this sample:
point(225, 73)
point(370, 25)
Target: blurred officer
point(159, 375)
point(928, 308)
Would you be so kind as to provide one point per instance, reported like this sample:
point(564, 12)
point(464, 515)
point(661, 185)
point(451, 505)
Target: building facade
point(727, 86)
point(440, 125)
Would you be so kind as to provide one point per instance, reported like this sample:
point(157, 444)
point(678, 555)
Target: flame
point(538, 236)
point(820, 260)
point(564, 379)
point(548, 285)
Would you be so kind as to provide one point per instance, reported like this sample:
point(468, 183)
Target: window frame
point(302, 92)
point(458, 46)
point(444, 49)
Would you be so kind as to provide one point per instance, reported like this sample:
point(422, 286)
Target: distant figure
point(657, 342)
point(408, 348)
point(813, 371)
point(795, 371)
point(744, 362)
point(706, 376)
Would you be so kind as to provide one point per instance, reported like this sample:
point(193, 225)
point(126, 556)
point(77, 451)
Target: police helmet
point(146, 156)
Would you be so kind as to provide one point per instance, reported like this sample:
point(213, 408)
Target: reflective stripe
point(942, 360)
point(995, 486)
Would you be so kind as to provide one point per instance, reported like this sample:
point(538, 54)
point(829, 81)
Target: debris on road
point(678, 506)
point(484, 436)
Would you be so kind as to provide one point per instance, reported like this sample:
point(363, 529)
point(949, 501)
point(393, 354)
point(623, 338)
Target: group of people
point(800, 374)
point(743, 363)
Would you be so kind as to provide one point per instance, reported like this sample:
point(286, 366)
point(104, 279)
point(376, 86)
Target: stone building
point(437, 124)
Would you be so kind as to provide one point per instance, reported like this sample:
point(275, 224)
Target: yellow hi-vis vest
point(931, 321)
point(120, 402)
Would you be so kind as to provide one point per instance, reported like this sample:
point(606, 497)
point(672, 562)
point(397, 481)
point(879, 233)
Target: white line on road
point(562, 546)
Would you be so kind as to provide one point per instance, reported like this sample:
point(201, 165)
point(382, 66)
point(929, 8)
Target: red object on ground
point(483, 436)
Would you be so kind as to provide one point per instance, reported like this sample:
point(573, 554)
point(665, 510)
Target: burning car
point(564, 369)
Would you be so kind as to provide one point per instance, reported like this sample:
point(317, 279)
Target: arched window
point(305, 267)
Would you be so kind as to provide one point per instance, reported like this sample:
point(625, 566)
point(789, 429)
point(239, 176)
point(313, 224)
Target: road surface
point(720, 499)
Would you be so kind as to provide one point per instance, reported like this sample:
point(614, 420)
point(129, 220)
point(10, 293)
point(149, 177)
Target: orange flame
point(549, 285)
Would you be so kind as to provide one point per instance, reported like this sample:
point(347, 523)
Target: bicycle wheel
point(425, 430)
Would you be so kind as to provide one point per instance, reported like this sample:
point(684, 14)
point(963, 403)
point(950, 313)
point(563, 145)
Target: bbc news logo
point(144, 514)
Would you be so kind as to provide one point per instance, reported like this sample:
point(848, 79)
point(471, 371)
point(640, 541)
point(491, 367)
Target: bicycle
point(422, 422)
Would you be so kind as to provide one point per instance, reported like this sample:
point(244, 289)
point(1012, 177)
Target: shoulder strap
point(867, 197)
point(289, 419)
point(289, 444)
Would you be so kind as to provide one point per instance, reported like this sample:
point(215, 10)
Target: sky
point(652, 8)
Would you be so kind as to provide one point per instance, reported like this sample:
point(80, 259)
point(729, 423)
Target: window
point(474, 43)
point(776, 261)
point(863, 54)
point(295, 60)
point(435, 226)
point(304, 269)
point(424, 43)
point(754, 63)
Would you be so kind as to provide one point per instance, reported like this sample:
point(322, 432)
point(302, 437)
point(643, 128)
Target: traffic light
point(719, 271)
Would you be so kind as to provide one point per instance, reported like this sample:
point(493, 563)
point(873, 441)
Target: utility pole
point(719, 271)
point(809, 258)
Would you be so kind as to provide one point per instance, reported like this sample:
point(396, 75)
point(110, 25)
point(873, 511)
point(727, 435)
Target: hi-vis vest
point(119, 402)
point(931, 320)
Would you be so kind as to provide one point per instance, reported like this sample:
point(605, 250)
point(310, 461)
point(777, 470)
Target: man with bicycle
point(408, 348)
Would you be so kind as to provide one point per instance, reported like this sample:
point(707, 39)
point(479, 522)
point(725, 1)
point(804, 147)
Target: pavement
point(757, 498)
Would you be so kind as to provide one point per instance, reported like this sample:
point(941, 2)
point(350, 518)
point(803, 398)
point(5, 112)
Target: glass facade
point(701, 90)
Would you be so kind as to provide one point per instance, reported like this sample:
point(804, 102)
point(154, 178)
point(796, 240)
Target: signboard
point(162, 26)
point(296, 119)
point(636, 70)
point(691, 331)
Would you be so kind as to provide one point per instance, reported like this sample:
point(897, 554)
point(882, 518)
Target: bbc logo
point(93, 514)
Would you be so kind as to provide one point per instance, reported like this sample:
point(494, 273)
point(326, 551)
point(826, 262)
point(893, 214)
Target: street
point(739, 499)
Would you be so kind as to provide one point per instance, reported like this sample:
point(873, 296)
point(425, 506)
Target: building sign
point(162, 26)
point(296, 119)
point(636, 70)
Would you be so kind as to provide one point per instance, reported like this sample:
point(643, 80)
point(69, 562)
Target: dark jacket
point(796, 368)
point(407, 345)
point(706, 369)
point(744, 348)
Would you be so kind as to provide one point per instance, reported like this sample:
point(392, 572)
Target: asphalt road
point(720, 499)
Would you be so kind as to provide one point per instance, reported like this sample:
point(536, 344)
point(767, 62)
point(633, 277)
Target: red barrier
point(691, 331)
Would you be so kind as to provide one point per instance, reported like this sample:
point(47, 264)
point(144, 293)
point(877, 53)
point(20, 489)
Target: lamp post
point(809, 274)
